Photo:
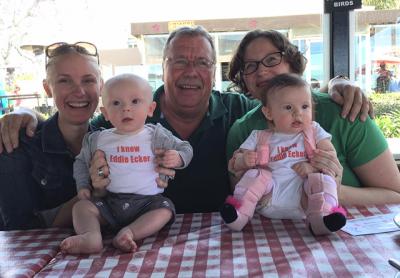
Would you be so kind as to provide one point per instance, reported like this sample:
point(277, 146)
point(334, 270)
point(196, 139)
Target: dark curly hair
point(281, 81)
point(295, 59)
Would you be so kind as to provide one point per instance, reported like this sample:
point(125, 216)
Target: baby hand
point(303, 169)
point(171, 159)
point(83, 194)
point(250, 159)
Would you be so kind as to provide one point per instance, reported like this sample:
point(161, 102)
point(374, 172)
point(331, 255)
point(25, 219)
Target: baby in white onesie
point(133, 203)
point(277, 165)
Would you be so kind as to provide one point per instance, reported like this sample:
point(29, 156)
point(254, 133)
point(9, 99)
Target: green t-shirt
point(204, 185)
point(356, 143)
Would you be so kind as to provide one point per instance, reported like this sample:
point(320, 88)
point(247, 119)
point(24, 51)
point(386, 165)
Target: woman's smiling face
point(256, 50)
point(74, 82)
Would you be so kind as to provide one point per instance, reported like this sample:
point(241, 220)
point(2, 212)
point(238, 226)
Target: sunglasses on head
point(60, 48)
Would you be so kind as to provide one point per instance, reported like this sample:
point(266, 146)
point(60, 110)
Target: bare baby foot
point(124, 241)
point(82, 244)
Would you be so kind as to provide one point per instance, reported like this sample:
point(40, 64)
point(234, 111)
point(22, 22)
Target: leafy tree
point(383, 4)
point(15, 20)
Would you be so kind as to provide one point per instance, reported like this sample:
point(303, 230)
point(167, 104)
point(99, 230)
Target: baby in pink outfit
point(279, 182)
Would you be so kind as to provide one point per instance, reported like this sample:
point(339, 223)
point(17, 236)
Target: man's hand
point(352, 98)
point(11, 123)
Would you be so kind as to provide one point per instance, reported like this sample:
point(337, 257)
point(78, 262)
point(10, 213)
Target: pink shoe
point(323, 213)
point(238, 210)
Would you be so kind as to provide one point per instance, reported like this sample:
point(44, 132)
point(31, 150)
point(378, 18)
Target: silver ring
point(100, 172)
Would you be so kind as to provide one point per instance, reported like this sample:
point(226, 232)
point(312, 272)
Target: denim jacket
point(35, 178)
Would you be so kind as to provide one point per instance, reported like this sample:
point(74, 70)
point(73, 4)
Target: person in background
point(3, 100)
point(277, 167)
point(383, 79)
point(132, 203)
point(370, 175)
point(189, 107)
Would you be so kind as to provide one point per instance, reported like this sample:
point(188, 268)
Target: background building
point(376, 40)
point(130, 37)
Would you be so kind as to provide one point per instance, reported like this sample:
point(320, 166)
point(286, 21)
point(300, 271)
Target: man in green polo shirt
point(188, 106)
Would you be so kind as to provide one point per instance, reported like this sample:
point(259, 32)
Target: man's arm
point(10, 125)
point(351, 97)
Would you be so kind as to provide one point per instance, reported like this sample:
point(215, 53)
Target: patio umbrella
point(387, 59)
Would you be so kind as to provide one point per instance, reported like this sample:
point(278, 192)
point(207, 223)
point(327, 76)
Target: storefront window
point(227, 43)
point(154, 46)
point(312, 49)
point(377, 51)
point(377, 66)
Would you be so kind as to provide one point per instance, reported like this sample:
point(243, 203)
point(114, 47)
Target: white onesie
point(131, 162)
point(285, 150)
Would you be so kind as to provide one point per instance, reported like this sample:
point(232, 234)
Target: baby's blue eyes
point(117, 102)
point(304, 107)
point(63, 80)
point(85, 81)
point(90, 80)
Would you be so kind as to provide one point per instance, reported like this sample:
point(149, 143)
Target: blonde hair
point(66, 50)
point(126, 77)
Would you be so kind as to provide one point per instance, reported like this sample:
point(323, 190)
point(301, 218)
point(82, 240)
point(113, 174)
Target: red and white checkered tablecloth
point(24, 253)
point(199, 245)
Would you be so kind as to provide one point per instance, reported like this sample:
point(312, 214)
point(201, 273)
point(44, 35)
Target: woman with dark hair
point(370, 175)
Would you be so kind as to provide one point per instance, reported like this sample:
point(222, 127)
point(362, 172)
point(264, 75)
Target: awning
point(121, 57)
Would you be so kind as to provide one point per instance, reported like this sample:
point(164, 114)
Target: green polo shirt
point(356, 143)
point(204, 184)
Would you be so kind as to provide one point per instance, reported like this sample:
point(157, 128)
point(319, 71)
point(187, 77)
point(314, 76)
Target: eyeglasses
point(271, 60)
point(60, 48)
point(183, 63)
